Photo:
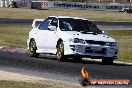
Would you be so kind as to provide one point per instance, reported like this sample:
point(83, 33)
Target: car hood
point(87, 36)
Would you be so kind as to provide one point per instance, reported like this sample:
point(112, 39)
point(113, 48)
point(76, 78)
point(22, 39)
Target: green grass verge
point(19, 13)
point(124, 39)
point(17, 35)
point(13, 84)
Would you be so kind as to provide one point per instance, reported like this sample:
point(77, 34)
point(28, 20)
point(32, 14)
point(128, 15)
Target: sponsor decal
point(45, 4)
point(23, 3)
point(89, 6)
point(78, 5)
point(84, 80)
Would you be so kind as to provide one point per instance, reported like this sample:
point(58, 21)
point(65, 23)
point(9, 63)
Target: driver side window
point(44, 25)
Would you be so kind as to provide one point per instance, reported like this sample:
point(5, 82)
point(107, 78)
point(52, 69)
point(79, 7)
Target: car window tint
point(44, 25)
point(54, 22)
point(66, 26)
point(70, 24)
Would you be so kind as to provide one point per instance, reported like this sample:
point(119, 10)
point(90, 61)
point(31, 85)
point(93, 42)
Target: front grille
point(90, 50)
point(95, 42)
point(103, 51)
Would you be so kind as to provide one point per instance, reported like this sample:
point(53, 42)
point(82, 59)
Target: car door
point(41, 35)
point(52, 36)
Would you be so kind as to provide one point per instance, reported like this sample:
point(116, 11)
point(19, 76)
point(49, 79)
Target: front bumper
point(93, 51)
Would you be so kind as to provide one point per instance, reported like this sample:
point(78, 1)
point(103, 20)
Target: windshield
point(70, 24)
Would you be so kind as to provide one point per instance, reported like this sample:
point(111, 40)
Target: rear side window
point(44, 25)
point(37, 23)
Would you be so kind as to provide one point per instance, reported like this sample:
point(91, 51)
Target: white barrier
point(6, 3)
point(76, 5)
point(53, 4)
point(1, 4)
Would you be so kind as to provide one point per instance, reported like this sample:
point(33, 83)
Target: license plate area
point(96, 48)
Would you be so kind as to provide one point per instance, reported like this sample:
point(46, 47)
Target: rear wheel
point(60, 51)
point(32, 49)
point(107, 61)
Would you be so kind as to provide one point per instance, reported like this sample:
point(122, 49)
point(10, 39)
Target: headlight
point(111, 44)
point(77, 40)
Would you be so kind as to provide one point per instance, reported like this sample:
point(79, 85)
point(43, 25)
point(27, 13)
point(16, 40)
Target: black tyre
point(32, 49)
point(107, 61)
point(60, 51)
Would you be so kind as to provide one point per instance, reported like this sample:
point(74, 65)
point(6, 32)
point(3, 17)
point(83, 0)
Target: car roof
point(69, 17)
point(38, 19)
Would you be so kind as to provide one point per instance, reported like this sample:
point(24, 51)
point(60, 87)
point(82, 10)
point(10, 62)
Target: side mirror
point(52, 28)
point(103, 32)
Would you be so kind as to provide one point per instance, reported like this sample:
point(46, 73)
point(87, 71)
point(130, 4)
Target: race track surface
point(69, 71)
point(103, 25)
point(29, 21)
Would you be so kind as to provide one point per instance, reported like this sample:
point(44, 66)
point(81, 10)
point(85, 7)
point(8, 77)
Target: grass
point(18, 13)
point(17, 35)
point(13, 84)
point(124, 39)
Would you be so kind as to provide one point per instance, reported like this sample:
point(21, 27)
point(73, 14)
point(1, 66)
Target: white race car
point(72, 37)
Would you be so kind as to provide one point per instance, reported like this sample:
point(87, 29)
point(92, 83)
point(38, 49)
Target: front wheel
point(107, 61)
point(60, 51)
point(32, 49)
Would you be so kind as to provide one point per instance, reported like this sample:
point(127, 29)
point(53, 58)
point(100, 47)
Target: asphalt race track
point(68, 70)
point(101, 24)
point(29, 21)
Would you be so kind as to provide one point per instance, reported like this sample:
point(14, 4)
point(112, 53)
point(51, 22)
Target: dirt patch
point(5, 75)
